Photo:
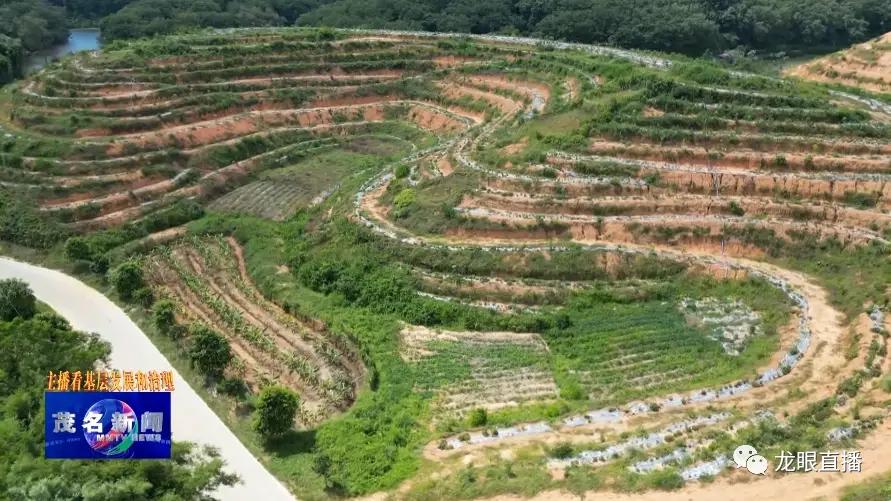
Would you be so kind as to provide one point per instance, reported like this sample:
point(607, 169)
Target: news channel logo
point(107, 425)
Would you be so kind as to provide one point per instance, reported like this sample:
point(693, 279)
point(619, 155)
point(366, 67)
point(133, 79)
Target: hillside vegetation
point(32, 345)
point(867, 66)
point(690, 27)
point(458, 267)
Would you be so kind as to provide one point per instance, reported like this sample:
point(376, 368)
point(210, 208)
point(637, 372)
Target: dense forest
point(151, 17)
point(693, 27)
point(686, 26)
point(35, 23)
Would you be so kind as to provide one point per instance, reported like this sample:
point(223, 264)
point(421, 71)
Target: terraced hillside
point(867, 65)
point(487, 265)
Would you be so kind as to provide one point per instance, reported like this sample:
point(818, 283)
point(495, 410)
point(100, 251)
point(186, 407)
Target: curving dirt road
point(193, 420)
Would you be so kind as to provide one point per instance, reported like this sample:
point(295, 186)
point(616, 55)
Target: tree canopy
point(684, 26)
point(693, 27)
point(29, 349)
point(153, 17)
point(36, 23)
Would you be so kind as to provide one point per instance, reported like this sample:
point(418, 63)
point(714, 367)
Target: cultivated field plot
point(611, 258)
point(480, 370)
point(207, 281)
point(316, 175)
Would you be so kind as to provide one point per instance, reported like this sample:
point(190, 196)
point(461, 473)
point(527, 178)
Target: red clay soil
point(456, 91)
point(93, 132)
point(114, 195)
point(449, 61)
point(109, 220)
point(351, 101)
point(689, 205)
point(519, 147)
point(129, 175)
point(734, 184)
point(209, 132)
point(746, 159)
point(567, 189)
point(766, 145)
point(572, 86)
point(513, 85)
point(433, 121)
point(253, 357)
point(445, 165)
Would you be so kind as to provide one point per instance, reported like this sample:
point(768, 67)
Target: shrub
point(556, 409)
point(55, 320)
point(780, 160)
point(127, 279)
point(276, 409)
point(16, 300)
point(210, 352)
point(563, 450)
point(562, 321)
point(234, 387)
point(666, 480)
point(478, 417)
point(77, 248)
point(99, 265)
point(405, 198)
point(464, 437)
point(850, 386)
point(573, 391)
point(164, 316)
point(144, 297)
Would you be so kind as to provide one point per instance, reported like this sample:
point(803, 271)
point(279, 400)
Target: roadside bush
point(144, 297)
point(55, 320)
point(234, 387)
point(164, 316)
point(77, 248)
point(100, 265)
point(478, 417)
point(210, 352)
point(16, 300)
point(276, 409)
point(127, 279)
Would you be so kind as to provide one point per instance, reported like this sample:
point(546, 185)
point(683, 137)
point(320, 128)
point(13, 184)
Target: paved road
point(193, 420)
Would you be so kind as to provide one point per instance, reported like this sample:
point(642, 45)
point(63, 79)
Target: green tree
point(164, 315)
point(127, 279)
point(478, 417)
point(210, 351)
point(276, 409)
point(29, 349)
point(54, 319)
point(16, 300)
point(562, 450)
point(77, 248)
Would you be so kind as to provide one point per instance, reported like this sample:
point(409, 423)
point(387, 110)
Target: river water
point(78, 40)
